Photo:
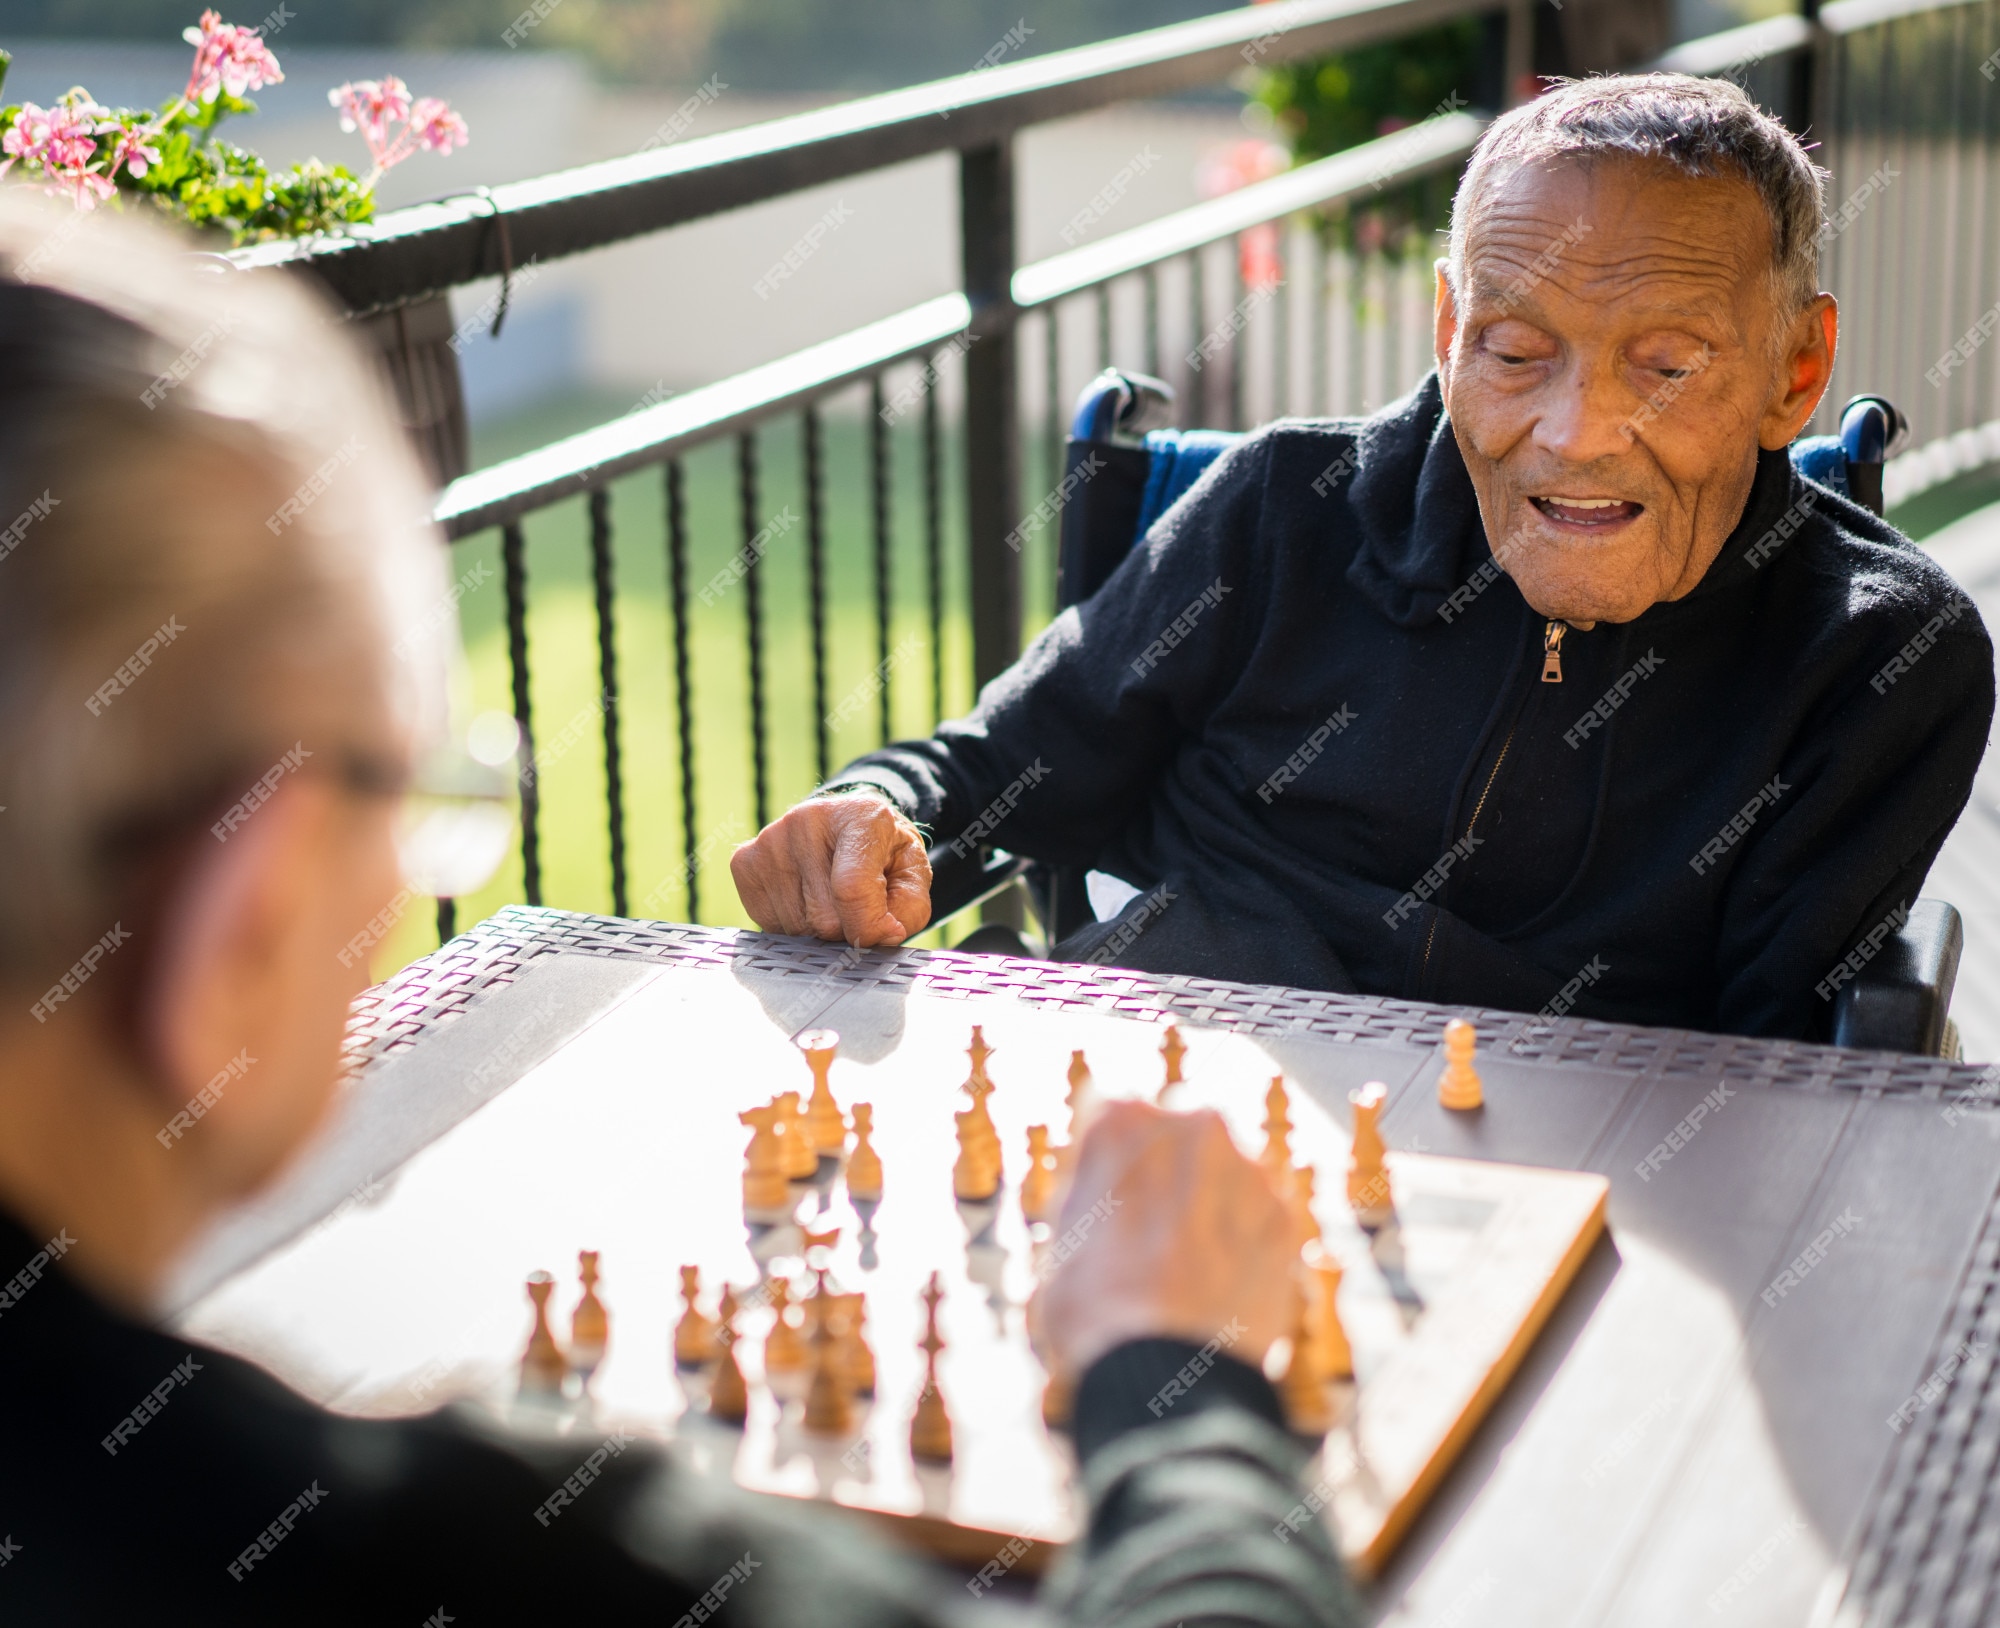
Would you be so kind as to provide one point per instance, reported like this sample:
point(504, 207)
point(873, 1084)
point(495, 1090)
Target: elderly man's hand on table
point(1190, 1241)
point(845, 867)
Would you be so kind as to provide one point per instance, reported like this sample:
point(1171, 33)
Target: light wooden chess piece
point(829, 1410)
point(1368, 1192)
point(728, 1396)
point(1173, 1049)
point(542, 1366)
point(1458, 1085)
point(766, 1189)
point(590, 1323)
point(864, 1164)
point(977, 1175)
point(825, 1129)
point(820, 1244)
point(1039, 1184)
point(857, 1361)
point(1304, 1179)
point(930, 1426)
point(1277, 1155)
point(694, 1334)
point(801, 1162)
point(1332, 1354)
point(1079, 1106)
point(1302, 1392)
point(784, 1346)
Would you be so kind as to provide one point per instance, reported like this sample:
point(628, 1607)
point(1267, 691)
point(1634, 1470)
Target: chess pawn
point(829, 1412)
point(728, 1396)
point(1172, 1049)
point(801, 1162)
point(1458, 1085)
point(1333, 1356)
point(590, 1323)
point(1302, 1392)
point(1368, 1192)
point(766, 1189)
point(784, 1346)
point(694, 1334)
point(1304, 1179)
point(542, 1365)
point(864, 1164)
point(857, 1361)
point(930, 1425)
point(1038, 1185)
point(825, 1129)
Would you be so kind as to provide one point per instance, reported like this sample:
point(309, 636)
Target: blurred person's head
point(219, 661)
point(1629, 314)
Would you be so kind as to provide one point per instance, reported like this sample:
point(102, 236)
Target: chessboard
point(630, 1143)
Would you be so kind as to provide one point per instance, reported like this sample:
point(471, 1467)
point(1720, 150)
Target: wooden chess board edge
point(1367, 1561)
point(958, 1545)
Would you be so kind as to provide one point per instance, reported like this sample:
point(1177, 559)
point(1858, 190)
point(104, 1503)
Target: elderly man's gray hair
point(1703, 127)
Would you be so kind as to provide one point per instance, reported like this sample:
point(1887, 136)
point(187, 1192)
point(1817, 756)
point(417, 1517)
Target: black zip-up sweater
point(1692, 828)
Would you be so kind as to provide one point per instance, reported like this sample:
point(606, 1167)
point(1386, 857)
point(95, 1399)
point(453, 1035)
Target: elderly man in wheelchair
point(1561, 676)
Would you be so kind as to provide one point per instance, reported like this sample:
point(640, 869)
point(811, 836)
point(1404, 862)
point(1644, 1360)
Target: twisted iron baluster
point(934, 541)
point(878, 468)
point(815, 478)
point(753, 613)
point(514, 563)
point(677, 555)
point(607, 676)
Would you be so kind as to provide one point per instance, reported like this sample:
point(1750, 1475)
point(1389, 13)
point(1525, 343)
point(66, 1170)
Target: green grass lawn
point(563, 657)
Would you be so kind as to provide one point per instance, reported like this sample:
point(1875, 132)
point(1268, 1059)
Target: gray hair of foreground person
point(1702, 127)
point(214, 551)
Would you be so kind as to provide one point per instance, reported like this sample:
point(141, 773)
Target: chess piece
point(1058, 1401)
point(825, 1129)
point(784, 1346)
point(1038, 1185)
point(542, 1364)
point(1277, 1155)
point(1332, 1355)
point(801, 1162)
point(1302, 1392)
point(930, 1426)
point(857, 1361)
point(694, 1334)
point(818, 1244)
point(765, 1186)
point(728, 1396)
point(1458, 1085)
point(977, 1174)
point(864, 1164)
point(1079, 1105)
point(1304, 1178)
point(1368, 1191)
point(829, 1411)
point(590, 1323)
point(1173, 1049)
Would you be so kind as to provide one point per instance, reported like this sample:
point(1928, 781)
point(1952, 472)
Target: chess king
point(1337, 721)
point(146, 943)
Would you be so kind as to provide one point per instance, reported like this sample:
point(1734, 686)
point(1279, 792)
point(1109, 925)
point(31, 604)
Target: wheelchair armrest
point(1899, 1000)
point(962, 879)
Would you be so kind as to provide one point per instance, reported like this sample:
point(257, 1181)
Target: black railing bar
point(409, 253)
point(1846, 16)
point(1736, 47)
point(507, 490)
point(1359, 172)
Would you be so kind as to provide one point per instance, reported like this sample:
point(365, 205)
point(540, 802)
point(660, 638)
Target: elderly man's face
point(1612, 365)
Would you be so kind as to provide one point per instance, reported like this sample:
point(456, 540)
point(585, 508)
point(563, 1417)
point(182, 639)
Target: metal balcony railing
point(1901, 95)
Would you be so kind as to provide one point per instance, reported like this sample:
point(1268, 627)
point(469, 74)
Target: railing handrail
point(410, 253)
point(1737, 47)
point(505, 491)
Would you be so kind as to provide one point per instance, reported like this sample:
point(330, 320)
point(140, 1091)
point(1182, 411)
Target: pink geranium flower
point(134, 152)
point(436, 126)
point(227, 57)
point(376, 106)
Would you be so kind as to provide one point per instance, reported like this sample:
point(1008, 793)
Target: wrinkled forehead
point(1615, 228)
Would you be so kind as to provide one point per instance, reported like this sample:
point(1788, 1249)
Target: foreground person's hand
point(1167, 1231)
point(848, 867)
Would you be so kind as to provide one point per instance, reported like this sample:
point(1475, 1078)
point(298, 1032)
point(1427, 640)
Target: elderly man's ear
point(1806, 370)
point(248, 982)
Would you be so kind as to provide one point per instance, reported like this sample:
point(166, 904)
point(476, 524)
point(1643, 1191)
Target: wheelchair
point(1902, 998)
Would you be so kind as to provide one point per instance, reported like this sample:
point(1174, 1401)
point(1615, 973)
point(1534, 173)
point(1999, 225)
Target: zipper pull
point(1552, 652)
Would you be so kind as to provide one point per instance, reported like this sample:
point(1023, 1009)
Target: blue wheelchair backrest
point(1150, 470)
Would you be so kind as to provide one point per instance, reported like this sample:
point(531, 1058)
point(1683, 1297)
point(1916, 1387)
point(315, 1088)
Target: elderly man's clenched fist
point(838, 867)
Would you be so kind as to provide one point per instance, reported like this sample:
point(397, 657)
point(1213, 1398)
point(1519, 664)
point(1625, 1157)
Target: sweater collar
point(1420, 533)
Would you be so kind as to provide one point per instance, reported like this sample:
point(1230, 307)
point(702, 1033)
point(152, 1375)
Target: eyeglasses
point(458, 811)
